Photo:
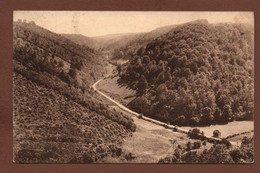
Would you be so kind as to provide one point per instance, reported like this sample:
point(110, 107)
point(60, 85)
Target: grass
point(150, 143)
point(121, 94)
point(227, 129)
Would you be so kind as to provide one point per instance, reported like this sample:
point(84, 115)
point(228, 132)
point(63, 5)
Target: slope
point(196, 74)
point(57, 118)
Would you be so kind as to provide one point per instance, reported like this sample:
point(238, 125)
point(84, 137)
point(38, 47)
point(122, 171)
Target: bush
point(196, 145)
point(226, 142)
point(195, 134)
point(188, 145)
point(216, 133)
point(245, 141)
point(119, 151)
point(72, 73)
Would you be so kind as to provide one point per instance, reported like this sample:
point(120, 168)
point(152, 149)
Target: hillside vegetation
point(218, 153)
point(124, 51)
point(56, 117)
point(196, 74)
point(119, 46)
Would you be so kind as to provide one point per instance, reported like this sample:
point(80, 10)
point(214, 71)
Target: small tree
point(216, 133)
point(196, 145)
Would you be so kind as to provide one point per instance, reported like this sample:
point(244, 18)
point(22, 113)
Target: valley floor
point(152, 142)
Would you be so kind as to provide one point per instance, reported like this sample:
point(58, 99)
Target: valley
point(177, 94)
point(149, 135)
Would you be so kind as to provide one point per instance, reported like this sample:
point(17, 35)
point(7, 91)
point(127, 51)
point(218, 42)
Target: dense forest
point(196, 74)
point(57, 118)
point(126, 50)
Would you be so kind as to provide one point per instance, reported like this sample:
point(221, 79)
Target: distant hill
point(116, 44)
point(126, 51)
point(195, 74)
point(82, 40)
point(56, 117)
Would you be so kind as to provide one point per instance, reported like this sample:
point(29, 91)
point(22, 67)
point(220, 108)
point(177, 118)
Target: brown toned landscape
point(179, 93)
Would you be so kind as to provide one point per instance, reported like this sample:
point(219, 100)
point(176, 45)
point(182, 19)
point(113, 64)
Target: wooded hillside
point(196, 74)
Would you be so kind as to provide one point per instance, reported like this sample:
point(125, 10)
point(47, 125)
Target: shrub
point(195, 134)
point(119, 151)
point(188, 145)
point(196, 145)
point(216, 133)
point(237, 155)
point(226, 142)
point(245, 141)
point(72, 73)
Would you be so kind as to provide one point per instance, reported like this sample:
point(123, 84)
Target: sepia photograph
point(160, 87)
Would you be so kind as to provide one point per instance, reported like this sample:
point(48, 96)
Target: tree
point(217, 115)
point(180, 120)
point(142, 86)
point(194, 121)
point(196, 145)
point(145, 60)
point(207, 116)
point(216, 133)
point(227, 113)
point(188, 145)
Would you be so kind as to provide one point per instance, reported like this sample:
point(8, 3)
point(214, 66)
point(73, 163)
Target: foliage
point(196, 74)
point(216, 133)
point(56, 119)
point(218, 153)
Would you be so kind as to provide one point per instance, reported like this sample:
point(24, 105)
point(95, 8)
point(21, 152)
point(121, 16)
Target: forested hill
point(82, 40)
point(119, 46)
point(129, 48)
point(197, 73)
point(106, 43)
point(57, 118)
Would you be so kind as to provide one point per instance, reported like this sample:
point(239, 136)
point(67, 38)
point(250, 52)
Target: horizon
point(104, 23)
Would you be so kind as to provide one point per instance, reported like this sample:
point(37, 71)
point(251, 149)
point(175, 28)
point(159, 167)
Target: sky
point(98, 23)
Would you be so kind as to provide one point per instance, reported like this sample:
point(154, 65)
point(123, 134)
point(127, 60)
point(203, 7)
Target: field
point(150, 143)
point(119, 93)
point(231, 128)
